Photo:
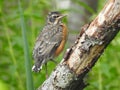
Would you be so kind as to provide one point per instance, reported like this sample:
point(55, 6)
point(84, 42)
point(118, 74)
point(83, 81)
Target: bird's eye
point(55, 16)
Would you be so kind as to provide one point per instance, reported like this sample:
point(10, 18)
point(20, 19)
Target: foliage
point(105, 74)
point(29, 80)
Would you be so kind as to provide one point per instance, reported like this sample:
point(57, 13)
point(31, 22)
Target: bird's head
point(54, 17)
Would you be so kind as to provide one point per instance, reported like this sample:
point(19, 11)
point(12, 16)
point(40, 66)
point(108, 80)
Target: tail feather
point(36, 69)
point(38, 64)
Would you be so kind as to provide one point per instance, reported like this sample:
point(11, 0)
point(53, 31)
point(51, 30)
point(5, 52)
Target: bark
point(89, 46)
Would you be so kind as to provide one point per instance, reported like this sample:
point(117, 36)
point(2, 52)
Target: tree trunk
point(89, 46)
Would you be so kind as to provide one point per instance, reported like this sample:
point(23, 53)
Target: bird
point(50, 42)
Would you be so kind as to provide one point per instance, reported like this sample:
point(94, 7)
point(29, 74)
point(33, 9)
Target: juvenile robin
point(50, 42)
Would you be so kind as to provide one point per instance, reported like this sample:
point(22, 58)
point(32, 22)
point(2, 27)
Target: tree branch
point(89, 46)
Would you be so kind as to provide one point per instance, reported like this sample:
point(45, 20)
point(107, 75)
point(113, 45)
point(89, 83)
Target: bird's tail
point(37, 66)
point(36, 69)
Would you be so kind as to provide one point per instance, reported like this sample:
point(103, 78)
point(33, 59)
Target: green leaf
point(29, 79)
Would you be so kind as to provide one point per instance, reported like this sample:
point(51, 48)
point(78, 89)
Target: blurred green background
point(105, 75)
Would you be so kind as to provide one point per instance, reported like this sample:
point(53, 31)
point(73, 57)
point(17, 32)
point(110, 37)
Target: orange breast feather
point(62, 44)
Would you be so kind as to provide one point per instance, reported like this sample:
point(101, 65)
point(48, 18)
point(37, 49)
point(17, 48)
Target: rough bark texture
point(89, 46)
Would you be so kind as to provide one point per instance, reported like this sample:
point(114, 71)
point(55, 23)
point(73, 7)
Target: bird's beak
point(59, 18)
point(62, 16)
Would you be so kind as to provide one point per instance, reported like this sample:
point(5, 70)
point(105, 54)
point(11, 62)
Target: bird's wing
point(46, 44)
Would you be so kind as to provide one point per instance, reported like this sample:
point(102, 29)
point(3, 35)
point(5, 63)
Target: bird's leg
point(46, 70)
point(54, 61)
